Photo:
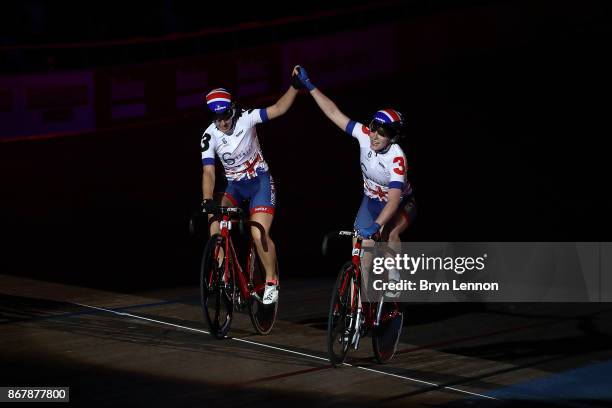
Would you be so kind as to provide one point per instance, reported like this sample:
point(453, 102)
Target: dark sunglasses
point(225, 116)
point(383, 129)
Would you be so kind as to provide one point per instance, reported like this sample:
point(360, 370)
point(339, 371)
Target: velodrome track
point(152, 349)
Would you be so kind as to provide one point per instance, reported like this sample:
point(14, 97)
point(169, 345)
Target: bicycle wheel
point(262, 316)
point(216, 304)
point(342, 317)
point(387, 334)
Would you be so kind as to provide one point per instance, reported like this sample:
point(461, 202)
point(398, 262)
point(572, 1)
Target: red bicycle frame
point(232, 258)
point(352, 315)
point(373, 316)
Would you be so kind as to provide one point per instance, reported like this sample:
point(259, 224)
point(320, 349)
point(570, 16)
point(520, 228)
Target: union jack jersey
point(239, 151)
point(381, 171)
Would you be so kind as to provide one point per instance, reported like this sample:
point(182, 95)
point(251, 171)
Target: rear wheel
point(216, 303)
point(341, 319)
point(387, 334)
point(262, 316)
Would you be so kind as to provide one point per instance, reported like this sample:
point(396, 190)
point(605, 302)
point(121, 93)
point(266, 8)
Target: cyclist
point(388, 204)
point(232, 136)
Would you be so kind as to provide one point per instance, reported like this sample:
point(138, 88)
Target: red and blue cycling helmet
point(219, 101)
point(388, 123)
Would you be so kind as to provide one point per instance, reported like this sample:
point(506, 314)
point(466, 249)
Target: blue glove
point(369, 231)
point(303, 77)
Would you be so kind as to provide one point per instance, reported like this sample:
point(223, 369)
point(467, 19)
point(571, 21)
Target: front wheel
point(262, 316)
point(217, 305)
point(341, 318)
point(386, 335)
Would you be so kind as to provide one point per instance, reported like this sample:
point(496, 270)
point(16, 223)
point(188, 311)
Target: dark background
point(507, 140)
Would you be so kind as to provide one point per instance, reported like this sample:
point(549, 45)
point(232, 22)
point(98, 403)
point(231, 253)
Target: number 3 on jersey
point(401, 167)
point(205, 142)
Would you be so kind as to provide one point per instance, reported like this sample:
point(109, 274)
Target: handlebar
point(326, 238)
point(217, 211)
point(352, 234)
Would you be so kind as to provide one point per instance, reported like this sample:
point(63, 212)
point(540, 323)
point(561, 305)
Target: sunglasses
point(225, 116)
point(383, 129)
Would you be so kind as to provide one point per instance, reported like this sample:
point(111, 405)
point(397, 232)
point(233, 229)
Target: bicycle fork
point(358, 320)
point(357, 255)
point(379, 308)
point(357, 334)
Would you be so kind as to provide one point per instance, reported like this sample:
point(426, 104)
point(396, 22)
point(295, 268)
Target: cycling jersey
point(381, 170)
point(239, 151)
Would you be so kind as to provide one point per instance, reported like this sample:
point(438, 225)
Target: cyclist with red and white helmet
point(233, 138)
point(388, 204)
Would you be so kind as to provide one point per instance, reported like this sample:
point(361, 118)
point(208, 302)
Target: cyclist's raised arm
point(328, 106)
point(330, 109)
point(283, 104)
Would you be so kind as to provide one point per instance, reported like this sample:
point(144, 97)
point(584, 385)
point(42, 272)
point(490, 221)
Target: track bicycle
point(351, 318)
point(225, 286)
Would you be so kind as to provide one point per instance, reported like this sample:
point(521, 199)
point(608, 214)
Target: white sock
point(394, 275)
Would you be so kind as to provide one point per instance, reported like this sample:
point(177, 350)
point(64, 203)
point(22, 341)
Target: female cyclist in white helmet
point(388, 205)
point(232, 137)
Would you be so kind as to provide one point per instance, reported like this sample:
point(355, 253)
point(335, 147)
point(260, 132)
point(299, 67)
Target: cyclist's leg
point(232, 197)
point(367, 214)
point(268, 258)
point(403, 218)
point(391, 231)
point(262, 206)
